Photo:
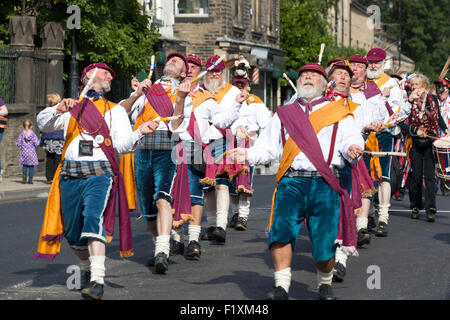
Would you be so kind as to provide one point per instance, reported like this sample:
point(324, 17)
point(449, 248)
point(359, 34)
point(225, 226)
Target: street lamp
point(73, 66)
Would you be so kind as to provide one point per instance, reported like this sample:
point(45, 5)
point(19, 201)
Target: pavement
point(12, 188)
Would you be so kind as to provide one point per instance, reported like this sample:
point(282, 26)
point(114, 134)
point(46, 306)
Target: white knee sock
point(222, 219)
point(340, 256)
point(162, 244)
point(244, 209)
point(324, 278)
point(283, 279)
point(97, 268)
point(194, 232)
point(361, 222)
point(211, 217)
point(177, 234)
point(383, 213)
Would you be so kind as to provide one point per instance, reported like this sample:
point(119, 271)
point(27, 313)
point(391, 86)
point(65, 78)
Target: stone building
point(229, 27)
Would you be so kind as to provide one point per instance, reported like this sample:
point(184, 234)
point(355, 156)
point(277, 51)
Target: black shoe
point(415, 213)
point(234, 220)
point(338, 272)
point(242, 224)
point(219, 235)
point(161, 263)
point(278, 294)
point(176, 247)
point(326, 292)
point(208, 234)
point(193, 250)
point(430, 214)
point(93, 292)
point(363, 237)
point(85, 279)
point(371, 223)
point(382, 230)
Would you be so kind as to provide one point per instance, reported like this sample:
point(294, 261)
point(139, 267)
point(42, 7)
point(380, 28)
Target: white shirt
point(253, 116)
point(269, 145)
point(123, 138)
point(228, 101)
point(208, 111)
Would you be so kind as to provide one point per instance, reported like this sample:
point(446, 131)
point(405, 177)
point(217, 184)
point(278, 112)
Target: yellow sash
point(375, 166)
point(253, 99)
point(327, 115)
point(219, 95)
point(53, 225)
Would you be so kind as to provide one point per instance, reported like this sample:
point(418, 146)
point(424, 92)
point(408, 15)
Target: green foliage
point(303, 28)
point(424, 31)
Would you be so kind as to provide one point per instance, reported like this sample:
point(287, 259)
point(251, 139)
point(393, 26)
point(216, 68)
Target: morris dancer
point(253, 118)
point(82, 198)
point(442, 89)
point(200, 110)
point(154, 168)
point(313, 137)
point(340, 74)
point(217, 198)
point(377, 92)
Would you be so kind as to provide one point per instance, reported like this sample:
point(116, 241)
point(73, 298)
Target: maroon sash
point(90, 120)
point(160, 101)
point(297, 123)
point(372, 90)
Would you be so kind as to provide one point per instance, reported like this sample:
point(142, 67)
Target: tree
point(112, 31)
point(304, 27)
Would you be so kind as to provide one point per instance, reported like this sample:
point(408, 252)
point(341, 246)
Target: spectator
point(3, 126)
point(53, 143)
point(27, 141)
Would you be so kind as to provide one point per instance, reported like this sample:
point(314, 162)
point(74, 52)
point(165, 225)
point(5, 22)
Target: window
point(237, 13)
point(192, 7)
point(272, 18)
point(256, 15)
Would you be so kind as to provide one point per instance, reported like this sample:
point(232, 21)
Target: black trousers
point(422, 167)
point(51, 163)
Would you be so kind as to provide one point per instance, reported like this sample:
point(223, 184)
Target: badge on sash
point(107, 142)
point(99, 139)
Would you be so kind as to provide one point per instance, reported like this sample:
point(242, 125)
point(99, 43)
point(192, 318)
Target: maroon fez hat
point(244, 80)
point(358, 59)
point(342, 65)
point(333, 61)
point(97, 65)
point(192, 58)
point(375, 55)
point(182, 57)
point(313, 67)
point(211, 61)
point(445, 81)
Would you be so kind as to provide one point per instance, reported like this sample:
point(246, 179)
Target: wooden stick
point(201, 75)
point(87, 86)
point(290, 82)
point(384, 154)
point(152, 66)
point(322, 47)
point(445, 69)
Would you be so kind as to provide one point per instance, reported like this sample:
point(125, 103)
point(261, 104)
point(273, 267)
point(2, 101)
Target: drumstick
point(396, 121)
point(86, 87)
point(384, 154)
point(201, 75)
point(290, 82)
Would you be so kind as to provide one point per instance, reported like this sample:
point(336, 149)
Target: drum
point(441, 153)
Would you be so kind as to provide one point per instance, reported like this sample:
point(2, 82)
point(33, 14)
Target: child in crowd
point(27, 141)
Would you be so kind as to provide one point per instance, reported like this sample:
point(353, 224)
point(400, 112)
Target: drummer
point(424, 123)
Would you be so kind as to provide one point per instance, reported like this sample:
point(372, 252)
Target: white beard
point(171, 71)
point(374, 74)
point(309, 92)
point(213, 85)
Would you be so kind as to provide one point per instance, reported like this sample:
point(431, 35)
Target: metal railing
point(8, 60)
